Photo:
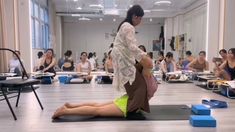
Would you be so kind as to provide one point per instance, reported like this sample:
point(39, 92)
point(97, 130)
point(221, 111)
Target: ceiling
point(104, 8)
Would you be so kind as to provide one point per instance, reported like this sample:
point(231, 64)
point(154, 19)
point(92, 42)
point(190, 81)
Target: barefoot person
point(126, 76)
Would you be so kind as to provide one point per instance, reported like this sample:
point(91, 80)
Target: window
point(40, 26)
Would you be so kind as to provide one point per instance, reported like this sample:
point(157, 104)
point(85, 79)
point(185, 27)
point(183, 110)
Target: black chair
point(19, 84)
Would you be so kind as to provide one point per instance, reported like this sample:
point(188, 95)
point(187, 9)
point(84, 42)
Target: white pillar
point(229, 29)
point(24, 33)
point(59, 52)
point(212, 39)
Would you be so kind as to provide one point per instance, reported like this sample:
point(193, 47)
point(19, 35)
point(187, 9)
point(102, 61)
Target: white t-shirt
point(93, 63)
point(13, 64)
point(84, 66)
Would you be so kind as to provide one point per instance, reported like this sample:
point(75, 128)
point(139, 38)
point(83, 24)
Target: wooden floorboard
point(32, 119)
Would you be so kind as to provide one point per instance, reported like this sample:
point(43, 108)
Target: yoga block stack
point(201, 110)
point(202, 117)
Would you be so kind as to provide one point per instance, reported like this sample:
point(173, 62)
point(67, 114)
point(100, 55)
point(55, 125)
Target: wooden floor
point(32, 119)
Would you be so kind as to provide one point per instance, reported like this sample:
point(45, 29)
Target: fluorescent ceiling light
point(96, 6)
point(76, 15)
point(75, 0)
point(159, 10)
point(162, 2)
point(147, 11)
point(79, 8)
point(84, 19)
point(111, 12)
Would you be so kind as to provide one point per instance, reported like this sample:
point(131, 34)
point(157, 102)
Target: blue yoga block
point(202, 121)
point(201, 110)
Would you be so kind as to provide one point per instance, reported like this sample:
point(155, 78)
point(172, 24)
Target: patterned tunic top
point(124, 54)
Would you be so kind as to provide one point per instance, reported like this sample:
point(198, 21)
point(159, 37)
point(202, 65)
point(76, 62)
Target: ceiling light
point(150, 19)
point(101, 19)
point(162, 2)
point(79, 8)
point(147, 11)
point(96, 6)
point(84, 19)
point(76, 15)
point(158, 10)
point(114, 19)
point(130, 5)
point(75, 0)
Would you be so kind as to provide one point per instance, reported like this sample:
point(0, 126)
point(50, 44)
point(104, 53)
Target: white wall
point(95, 36)
point(229, 31)
point(193, 23)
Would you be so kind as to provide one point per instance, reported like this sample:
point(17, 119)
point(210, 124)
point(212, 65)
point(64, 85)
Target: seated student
point(14, 64)
point(68, 63)
point(48, 62)
point(219, 61)
point(199, 64)
point(95, 58)
point(67, 56)
point(84, 66)
point(104, 59)
point(227, 69)
point(92, 61)
point(168, 65)
point(38, 61)
point(179, 64)
point(109, 63)
point(159, 60)
point(189, 58)
point(142, 47)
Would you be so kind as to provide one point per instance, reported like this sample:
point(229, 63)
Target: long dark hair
point(134, 10)
point(233, 51)
point(52, 51)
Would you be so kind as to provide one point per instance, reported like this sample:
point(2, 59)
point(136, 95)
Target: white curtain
point(3, 58)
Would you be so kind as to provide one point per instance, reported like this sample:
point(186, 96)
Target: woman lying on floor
point(95, 109)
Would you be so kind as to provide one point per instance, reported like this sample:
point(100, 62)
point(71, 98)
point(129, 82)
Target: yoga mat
point(158, 112)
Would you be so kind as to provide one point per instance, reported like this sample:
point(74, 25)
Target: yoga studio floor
point(32, 119)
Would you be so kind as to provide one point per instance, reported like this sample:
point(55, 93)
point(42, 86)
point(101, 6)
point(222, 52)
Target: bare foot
point(59, 112)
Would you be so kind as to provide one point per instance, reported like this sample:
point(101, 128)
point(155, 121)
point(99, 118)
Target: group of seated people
point(224, 67)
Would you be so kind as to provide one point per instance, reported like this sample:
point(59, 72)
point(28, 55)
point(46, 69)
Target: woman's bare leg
point(105, 110)
point(70, 105)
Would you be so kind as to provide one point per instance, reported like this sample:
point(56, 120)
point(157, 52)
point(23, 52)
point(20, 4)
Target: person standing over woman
point(127, 77)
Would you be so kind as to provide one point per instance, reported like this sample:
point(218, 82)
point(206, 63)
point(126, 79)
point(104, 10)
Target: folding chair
point(19, 84)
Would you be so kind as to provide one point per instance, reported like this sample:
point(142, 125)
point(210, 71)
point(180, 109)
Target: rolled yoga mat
point(158, 112)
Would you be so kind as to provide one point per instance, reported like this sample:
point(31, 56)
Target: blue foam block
point(202, 121)
point(201, 110)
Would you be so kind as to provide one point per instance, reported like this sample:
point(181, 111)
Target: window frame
point(42, 40)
